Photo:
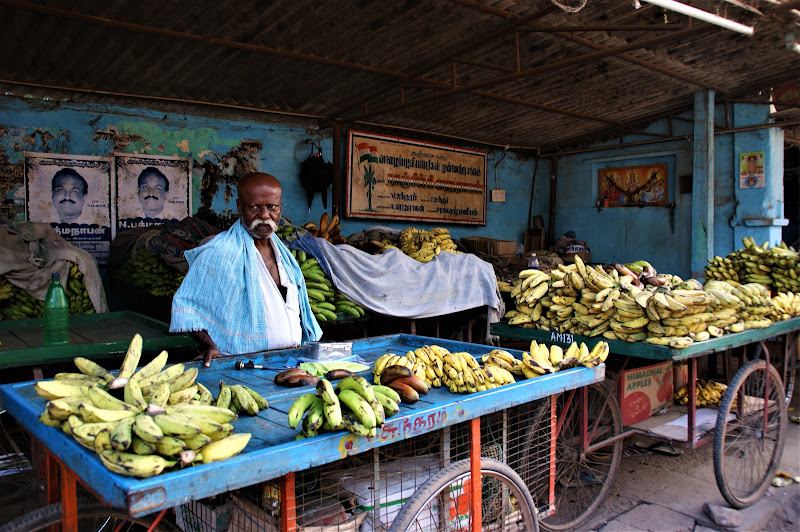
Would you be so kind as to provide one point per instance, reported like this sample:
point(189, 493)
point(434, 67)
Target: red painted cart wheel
point(750, 433)
point(583, 479)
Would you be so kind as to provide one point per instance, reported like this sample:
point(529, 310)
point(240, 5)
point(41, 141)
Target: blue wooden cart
point(273, 451)
point(750, 423)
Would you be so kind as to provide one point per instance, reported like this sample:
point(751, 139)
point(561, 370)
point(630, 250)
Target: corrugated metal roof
point(522, 73)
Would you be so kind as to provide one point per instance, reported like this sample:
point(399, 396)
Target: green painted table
point(95, 336)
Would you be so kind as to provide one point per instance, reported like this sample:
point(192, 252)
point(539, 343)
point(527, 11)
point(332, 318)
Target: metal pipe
point(705, 16)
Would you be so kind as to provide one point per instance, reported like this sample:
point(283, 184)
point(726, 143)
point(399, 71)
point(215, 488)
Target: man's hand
point(206, 346)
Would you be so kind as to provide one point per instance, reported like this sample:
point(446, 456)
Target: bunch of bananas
point(17, 304)
point(434, 366)
point(423, 246)
point(327, 302)
point(354, 404)
point(75, 289)
point(140, 422)
point(541, 359)
point(786, 305)
point(706, 393)
point(240, 399)
point(507, 286)
point(149, 273)
point(328, 228)
point(777, 267)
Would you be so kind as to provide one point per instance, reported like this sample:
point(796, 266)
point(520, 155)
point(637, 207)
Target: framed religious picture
point(151, 190)
point(633, 186)
point(73, 194)
point(751, 170)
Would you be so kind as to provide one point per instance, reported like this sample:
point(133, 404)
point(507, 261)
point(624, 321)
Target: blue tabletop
point(273, 450)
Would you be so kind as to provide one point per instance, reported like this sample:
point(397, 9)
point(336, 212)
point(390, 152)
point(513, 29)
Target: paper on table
point(705, 419)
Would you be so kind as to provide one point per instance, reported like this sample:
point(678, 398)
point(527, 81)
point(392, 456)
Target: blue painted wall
point(220, 140)
point(661, 235)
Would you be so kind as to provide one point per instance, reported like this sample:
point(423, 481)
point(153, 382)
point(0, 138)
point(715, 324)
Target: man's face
point(68, 198)
point(752, 166)
point(152, 194)
point(260, 209)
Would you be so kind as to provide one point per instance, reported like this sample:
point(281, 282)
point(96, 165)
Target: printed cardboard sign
point(402, 179)
point(73, 194)
point(644, 391)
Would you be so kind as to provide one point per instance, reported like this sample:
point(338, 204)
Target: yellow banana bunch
point(423, 245)
point(134, 434)
point(707, 393)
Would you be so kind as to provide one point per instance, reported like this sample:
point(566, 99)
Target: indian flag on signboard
point(367, 153)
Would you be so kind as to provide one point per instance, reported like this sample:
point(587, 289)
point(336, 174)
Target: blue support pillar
point(759, 213)
point(703, 183)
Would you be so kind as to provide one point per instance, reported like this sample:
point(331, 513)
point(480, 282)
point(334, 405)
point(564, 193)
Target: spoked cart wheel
point(750, 433)
point(92, 517)
point(443, 501)
point(586, 462)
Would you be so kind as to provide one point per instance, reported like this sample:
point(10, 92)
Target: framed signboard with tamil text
point(401, 179)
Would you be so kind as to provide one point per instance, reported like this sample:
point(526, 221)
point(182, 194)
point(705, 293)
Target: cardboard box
point(534, 239)
point(477, 244)
point(503, 247)
point(489, 246)
point(641, 392)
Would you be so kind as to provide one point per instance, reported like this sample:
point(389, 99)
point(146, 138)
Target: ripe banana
point(224, 448)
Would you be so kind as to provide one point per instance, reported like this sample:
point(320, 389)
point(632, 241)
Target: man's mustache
point(151, 197)
point(67, 200)
point(268, 222)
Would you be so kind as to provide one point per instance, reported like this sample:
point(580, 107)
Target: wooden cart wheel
point(583, 478)
point(92, 517)
point(442, 502)
point(750, 433)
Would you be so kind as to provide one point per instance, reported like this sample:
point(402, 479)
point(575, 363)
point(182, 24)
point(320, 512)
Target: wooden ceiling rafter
point(573, 61)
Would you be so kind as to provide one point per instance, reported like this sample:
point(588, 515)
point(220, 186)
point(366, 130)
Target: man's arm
point(208, 349)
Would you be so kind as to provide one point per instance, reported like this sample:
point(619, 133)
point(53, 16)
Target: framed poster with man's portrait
point(151, 190)
point(73, 194)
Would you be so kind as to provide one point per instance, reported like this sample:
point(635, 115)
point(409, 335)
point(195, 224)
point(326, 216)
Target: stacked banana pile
point(149, 273)
point(140, 422)
point(706, 393)
point(329, 228)
point(777, 267)
point(17, 304)
point(423, 246)
point(354, 404)
point(325, 299)
point(507, 286)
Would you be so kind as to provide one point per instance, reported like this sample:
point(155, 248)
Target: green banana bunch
point(240, 399)
point(163, 420)
point(354, 404)
point(149, 273)
point(327, 302)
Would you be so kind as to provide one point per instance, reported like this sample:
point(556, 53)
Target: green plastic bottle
point(56, 314)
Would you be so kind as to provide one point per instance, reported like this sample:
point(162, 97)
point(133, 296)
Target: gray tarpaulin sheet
point(396, 285)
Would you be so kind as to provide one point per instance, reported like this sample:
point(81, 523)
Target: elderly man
point(244, 291)
point(153, 186)
point(69, 190)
